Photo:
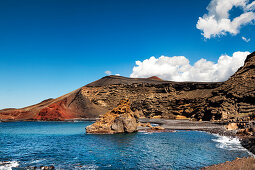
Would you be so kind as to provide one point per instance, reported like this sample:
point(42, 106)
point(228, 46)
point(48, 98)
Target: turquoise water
point(66, 146)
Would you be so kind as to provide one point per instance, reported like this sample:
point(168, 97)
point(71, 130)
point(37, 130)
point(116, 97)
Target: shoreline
point(206, 126)
point(247, 142)
point(214, 128)
point(66, 120)
point(173, 124)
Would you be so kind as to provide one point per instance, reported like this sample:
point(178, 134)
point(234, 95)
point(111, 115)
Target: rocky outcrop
point(120, 120)
point(231, 126)
point(151, 98)
point(249, 143)
point(235, 98)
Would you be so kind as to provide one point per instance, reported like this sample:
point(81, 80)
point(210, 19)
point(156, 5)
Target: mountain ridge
point(150, 97)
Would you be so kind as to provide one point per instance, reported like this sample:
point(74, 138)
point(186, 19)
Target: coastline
point(218, 128)
point(215, 128)
point(66, 120)
point(207, 126)
point(172, 124)
point(247, 163)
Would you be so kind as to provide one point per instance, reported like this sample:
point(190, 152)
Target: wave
point(228, 143)
point(8, 165)
point(37, 161)
point(144, 132)
point(90, 167)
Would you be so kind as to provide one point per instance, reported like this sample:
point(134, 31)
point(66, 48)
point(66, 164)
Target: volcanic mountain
point(151, 97)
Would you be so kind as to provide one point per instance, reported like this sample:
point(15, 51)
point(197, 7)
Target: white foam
point(37, 161)
point(147, 133)
point(228, 143)
point(90, 167)
point(8, 165)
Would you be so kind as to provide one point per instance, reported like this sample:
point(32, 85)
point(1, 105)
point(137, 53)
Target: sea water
point(65, 145)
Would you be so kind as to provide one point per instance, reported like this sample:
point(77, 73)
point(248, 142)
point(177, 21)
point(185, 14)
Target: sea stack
point(119, 120)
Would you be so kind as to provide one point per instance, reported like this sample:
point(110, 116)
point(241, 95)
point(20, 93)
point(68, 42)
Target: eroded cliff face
point(166, 100)
point(235, 98)
point(152, 97)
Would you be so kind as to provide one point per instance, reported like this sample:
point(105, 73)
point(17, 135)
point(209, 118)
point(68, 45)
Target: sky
point(51, 47)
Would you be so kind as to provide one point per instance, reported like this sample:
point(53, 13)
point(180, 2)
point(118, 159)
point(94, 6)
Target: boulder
point(120, 120)
point(232, 126)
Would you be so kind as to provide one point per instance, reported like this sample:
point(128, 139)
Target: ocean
point(65, 145)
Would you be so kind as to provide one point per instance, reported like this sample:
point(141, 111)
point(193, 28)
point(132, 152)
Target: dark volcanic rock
point(249, 143)
point(235, 98)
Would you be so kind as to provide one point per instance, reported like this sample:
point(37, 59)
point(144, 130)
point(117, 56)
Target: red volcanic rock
point(53, 112)
point(155, 78)
point(70, 106)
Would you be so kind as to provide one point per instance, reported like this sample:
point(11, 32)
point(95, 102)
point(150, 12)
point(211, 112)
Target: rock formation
point(153, 98)
point(235, 98)
point(119, 120)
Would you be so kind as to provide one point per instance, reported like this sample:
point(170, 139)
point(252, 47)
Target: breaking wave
point(230, 143)
point(90, 167)
point(8, 165)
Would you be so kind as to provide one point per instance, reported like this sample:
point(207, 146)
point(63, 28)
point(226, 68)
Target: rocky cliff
point(152, 97)
point(235, 98)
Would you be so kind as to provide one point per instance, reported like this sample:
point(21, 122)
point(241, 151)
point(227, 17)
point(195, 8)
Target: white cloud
point(117, 74)
point(246, 39)
point(108, 72)
point(178, 68)
point(217, 21)
point(251, 6)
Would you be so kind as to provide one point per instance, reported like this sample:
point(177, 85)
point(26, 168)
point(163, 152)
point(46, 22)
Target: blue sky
point(51, 47)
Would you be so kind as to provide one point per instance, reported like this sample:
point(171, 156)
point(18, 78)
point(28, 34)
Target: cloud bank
point(178, 68)
point(217, 22)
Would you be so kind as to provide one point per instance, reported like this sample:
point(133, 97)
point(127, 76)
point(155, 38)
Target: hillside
point(235, 98)
point(151, 97)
